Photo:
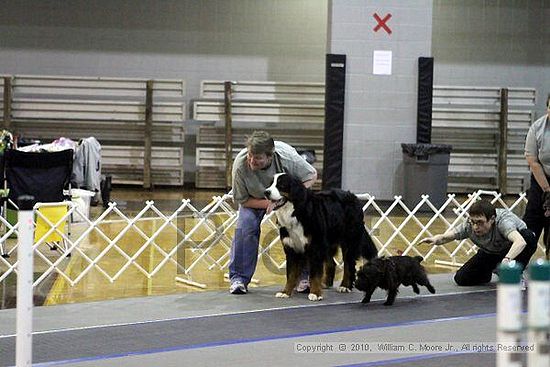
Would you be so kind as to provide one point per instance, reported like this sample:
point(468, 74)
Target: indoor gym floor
point(257, 329)
point(214, 328)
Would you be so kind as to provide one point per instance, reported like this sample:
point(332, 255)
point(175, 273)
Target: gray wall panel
point(185, 39)
point(380, 109)
point(493, 43)
point(479, 43)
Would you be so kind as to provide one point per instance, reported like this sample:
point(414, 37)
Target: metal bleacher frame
point(138, 147)
point(292, 112)
point(471, 120)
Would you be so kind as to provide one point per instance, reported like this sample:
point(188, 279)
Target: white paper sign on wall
point(381, 62)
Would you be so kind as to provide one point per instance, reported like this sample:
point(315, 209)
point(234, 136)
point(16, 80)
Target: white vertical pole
point(23, 355)
point(538, 319)
point(509, 322)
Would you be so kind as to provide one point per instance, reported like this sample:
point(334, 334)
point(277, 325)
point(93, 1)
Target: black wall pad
point(425, 93)
point(335, 87)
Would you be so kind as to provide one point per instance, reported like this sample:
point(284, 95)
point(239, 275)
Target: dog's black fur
point(330, 220)
point(389, 273)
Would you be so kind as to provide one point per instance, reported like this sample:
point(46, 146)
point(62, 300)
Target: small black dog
point(390, 272)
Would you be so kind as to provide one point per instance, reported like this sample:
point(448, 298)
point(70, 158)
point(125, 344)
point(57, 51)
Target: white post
point(538, 319)
point(509, 313)
point(23, 355)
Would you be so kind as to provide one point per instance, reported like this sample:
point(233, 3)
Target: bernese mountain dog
point(313, 225)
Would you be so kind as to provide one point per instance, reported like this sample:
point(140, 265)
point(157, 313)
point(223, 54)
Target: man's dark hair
point(483, 207)
point(260, 142)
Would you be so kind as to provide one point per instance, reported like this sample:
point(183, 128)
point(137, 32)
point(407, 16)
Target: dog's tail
point(419, 258)
point(368, 248)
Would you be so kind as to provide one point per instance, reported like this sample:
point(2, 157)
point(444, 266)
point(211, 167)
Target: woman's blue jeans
point(244, 249)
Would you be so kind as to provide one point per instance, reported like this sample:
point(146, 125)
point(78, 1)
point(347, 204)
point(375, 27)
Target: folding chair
point(43, 175)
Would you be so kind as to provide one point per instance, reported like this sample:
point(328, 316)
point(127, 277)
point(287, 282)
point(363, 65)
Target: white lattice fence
point(415, 224)
point(114, 244)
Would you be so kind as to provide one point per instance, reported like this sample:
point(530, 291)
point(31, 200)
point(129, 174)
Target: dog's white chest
point(296, 238)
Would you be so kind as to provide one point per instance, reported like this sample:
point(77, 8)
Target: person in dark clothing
point(537, 154)
point(500, 235)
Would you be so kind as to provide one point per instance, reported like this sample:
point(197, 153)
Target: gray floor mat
point(197, 332)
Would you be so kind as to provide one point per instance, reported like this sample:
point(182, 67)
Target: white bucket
point(81, 198)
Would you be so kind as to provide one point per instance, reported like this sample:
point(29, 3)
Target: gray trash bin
point(426, 172)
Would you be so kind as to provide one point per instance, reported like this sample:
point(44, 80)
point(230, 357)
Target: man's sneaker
point(237, 287)
point(303, 286)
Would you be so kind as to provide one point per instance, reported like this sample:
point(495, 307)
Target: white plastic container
point(81, 198)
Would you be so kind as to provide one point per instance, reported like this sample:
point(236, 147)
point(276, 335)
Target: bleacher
point(468, 119)
point(113, 110)
point(290, 112)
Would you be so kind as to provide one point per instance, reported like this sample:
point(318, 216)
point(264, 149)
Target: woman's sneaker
point(237, 287)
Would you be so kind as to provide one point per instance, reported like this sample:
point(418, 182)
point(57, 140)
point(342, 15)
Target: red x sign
point(382, 22)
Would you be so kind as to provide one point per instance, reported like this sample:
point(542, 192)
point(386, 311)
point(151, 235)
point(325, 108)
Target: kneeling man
point(500, 235)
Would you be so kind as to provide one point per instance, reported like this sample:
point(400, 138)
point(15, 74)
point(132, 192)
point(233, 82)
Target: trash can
point(426, 171)
point(82, 200)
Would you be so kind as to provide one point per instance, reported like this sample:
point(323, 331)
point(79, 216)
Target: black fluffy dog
point(389, 273)
point(316, 225)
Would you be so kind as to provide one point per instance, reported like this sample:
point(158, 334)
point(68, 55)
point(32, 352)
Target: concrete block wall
point(194, 40)
point(185, 39)
point(493, 43)
point(482, 42)
point(380, 110)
